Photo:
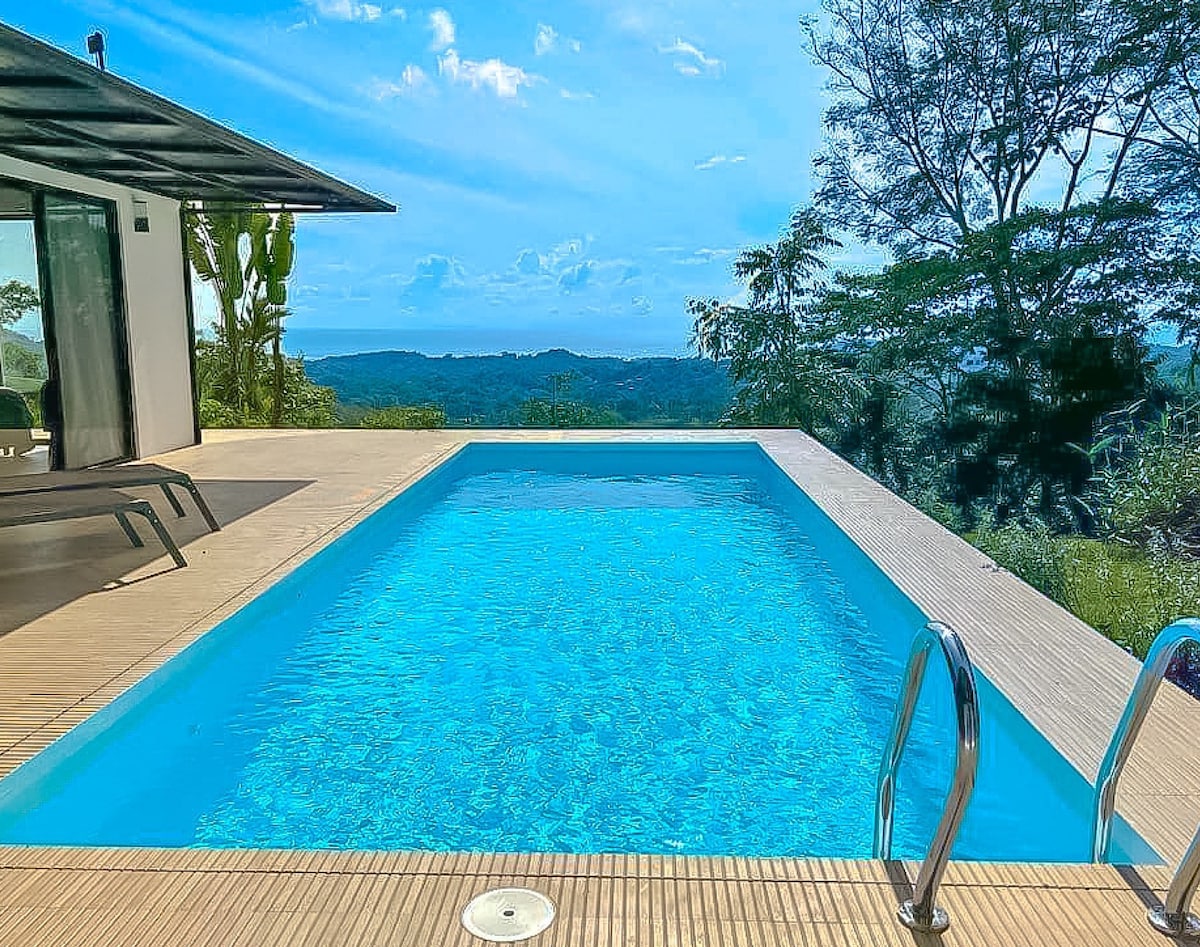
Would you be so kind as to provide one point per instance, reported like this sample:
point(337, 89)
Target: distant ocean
point(318, 343)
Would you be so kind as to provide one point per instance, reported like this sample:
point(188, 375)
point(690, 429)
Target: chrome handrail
point(921, 913)
point(1154, 670)
point(1173, 918)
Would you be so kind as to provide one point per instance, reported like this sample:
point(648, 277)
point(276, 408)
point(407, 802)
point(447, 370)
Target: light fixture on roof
point(95, 47)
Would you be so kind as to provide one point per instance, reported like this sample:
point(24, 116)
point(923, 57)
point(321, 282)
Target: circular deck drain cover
point(506, 915)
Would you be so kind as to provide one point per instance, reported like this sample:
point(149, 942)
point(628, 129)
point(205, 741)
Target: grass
point(1126, 594)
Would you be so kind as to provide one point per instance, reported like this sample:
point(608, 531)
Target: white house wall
point(155, 304)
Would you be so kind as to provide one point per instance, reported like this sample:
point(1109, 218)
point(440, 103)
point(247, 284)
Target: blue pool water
point(561, 648)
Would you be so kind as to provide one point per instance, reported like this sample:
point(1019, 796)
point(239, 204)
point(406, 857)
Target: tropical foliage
point(246, 258)
point(786, 371)
point(1007, 159)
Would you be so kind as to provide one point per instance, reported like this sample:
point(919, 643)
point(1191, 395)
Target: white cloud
point(643, 305)
point(546, 40)
point(564, 265)
point(353, 11)
point(434, 276)
point(715, 160)
point(347, 10)
point(575, 96)
point(441, 24)
point(691, 60)
point(412, 80)
point(560, 253)
point(702, 256)
point(549, 40)
point(500, 77)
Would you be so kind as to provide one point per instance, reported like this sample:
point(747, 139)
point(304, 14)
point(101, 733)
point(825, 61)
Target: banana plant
point(246, 257)
point(272, 254)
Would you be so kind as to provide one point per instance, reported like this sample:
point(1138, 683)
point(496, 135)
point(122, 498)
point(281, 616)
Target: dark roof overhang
point(61, 112)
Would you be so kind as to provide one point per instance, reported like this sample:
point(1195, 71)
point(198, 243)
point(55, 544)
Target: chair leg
point(173, 500)
point(202, 506)
point(163, 536)
point(130, 532)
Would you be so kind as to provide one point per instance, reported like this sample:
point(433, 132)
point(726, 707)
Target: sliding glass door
point(77, 241)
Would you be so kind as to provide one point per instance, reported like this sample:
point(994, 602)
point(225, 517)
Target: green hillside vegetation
point(551, 389)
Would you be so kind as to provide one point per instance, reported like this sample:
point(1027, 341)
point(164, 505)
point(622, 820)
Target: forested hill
point(495, 390)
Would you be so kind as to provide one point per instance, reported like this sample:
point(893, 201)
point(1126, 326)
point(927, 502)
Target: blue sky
point(567, 172)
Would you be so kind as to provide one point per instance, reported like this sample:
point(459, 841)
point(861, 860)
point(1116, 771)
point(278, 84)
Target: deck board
point(293, 898)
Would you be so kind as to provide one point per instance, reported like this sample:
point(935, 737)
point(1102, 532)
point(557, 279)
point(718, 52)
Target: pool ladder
point(1173, 918)
point(921, 913)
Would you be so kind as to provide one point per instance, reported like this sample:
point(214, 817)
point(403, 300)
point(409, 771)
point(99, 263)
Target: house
point(96, 175)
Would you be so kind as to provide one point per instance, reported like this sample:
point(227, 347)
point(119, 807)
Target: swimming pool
point(601, 648)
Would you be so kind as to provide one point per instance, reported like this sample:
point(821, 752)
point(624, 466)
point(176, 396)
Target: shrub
point(1125, 594)
point(304, 404)
point(1146, 491)
point(217, 414)
point(405, 417)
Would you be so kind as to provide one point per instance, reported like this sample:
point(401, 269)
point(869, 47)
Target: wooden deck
point(122, 898)
point(83, 616)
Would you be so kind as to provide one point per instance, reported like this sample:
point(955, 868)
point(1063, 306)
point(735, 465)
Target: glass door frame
point(41, 246)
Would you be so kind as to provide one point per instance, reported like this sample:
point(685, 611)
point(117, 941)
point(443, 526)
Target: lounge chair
point(16, 423)
point(81, 504)
point(130, 475)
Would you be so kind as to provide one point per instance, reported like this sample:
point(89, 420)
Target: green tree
point(23, 361)
point(559, 410)
point(246, 257)
point(951, 115)
point(997, 152)
point(978, 402)
point(784, 373)
point(1167, 147)
point(17, 299)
